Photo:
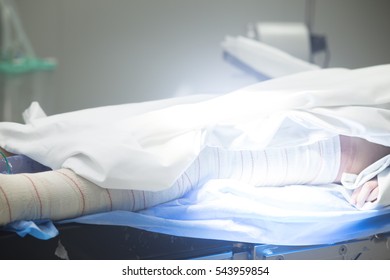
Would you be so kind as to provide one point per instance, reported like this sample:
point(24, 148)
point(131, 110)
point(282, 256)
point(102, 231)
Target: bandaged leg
point(317, 163)
point(62, 194)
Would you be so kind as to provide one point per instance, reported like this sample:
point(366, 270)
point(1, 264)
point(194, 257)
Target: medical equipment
point(20, 164)
point(275, 49)
point(261, 60)
point(294, 38)
point(297, 39)
point(5, 167)
point(291, 37)
point(19, 65)
point(17, 53)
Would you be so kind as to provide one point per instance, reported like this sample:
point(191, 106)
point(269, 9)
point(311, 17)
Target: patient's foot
point(366, 193)
point(357, 154)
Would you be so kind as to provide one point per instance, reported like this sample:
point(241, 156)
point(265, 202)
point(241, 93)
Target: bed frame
point(93, 242)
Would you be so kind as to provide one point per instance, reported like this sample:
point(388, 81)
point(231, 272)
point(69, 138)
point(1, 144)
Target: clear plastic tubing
point(20, 164)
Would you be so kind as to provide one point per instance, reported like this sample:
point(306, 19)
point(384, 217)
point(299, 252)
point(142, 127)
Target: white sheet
point(103, 144)
point(227, 210)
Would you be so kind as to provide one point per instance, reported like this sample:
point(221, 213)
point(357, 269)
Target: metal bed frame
point(93, 242)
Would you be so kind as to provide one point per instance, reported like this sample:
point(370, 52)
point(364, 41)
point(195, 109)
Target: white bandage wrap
point(62, 194)
point(315, 164)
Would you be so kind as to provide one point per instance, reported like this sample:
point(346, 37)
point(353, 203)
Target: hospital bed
point(322, 225)
point(102, 236)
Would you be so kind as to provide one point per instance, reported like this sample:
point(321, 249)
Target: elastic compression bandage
point(315, 164)
point(62, 194)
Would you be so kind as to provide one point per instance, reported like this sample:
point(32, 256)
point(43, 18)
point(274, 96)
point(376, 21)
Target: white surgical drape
point(148, 145)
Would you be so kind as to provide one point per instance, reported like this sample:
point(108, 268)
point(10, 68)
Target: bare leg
point(356, 155)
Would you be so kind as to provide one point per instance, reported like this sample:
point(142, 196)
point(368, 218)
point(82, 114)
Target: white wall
point(358, 31)
point(116, 51)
